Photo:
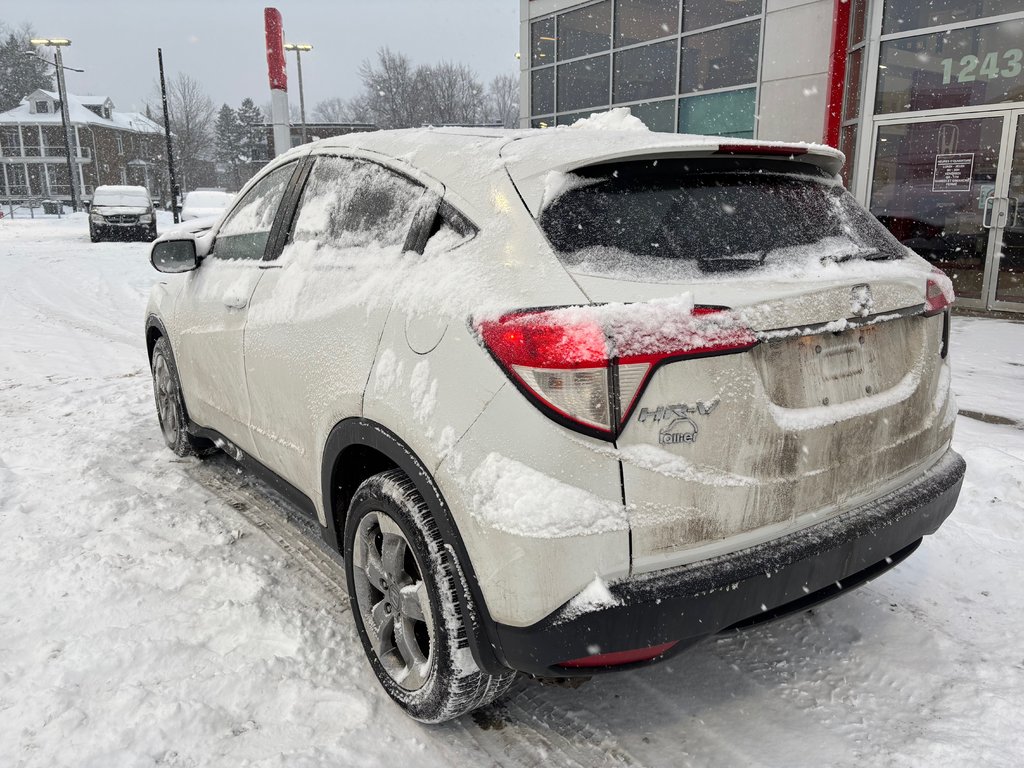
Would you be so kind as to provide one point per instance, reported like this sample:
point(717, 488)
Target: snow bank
point(517, 499)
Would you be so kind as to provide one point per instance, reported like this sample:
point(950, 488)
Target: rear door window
point(350, 203)
point(683, 219)
point(246, 229)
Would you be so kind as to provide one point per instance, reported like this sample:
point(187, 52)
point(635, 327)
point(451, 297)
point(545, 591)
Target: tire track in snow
point(525, 729)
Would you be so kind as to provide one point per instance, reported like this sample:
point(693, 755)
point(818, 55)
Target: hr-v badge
point(680, 426)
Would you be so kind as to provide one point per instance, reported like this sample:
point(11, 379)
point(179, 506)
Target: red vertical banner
point(276, 68)
point(837, 72)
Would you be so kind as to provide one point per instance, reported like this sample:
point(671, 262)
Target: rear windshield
point(687, 218)
point(121, 197)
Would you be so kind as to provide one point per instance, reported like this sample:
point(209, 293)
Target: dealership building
point(926, 99)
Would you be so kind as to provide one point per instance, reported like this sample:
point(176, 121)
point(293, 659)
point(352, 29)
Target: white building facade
point(925, 98)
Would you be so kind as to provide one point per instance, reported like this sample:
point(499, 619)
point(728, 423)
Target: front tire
point(401, 584)
point(170, 405)
point(94, 234)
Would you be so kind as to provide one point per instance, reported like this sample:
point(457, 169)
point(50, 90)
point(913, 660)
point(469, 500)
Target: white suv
point(566, 401)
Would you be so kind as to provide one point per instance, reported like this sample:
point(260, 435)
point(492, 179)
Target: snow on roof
point(529, 155)
point(79, 112)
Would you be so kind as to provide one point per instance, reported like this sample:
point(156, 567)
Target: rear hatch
point(837, 394)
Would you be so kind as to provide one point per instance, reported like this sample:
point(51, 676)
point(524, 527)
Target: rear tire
point(170, 405)
point(401, 584)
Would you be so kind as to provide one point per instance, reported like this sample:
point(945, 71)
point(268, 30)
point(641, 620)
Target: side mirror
point(174, 256)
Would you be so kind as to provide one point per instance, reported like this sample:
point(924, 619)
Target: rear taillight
point(938, 295)
point(587, 367)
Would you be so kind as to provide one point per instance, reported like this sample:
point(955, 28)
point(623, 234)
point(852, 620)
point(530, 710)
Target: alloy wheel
point(393, 600)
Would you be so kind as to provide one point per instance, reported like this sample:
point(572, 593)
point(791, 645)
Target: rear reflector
point(938, 295)
point(619, 658)
point(586, 368)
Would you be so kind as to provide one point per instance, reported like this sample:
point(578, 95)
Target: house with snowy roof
point(107, 146)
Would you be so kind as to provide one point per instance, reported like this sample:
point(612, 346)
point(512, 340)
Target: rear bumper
point(687, 603)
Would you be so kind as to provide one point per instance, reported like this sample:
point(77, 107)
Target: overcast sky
point(221, 42)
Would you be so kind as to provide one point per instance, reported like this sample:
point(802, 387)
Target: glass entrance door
point(1007, 222)
point(950, 188)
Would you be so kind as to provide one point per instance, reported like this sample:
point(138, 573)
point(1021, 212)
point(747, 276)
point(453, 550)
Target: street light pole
point(65, 116)
point(299, 48)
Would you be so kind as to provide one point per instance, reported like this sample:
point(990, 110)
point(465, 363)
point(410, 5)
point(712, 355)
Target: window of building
point(583, 84)
point(120, 145)
point(42, 107)
point(542, 42)
point(955, 68)
point(728, 113)
point(904, 15)
point(657, 115)
point(698, 14)
point(646, 72)
point(542, 91)
point(720, 58)
point(637, 21)
point(585, 31)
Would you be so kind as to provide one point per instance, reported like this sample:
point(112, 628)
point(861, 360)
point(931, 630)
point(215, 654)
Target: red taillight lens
point(938, 293)
point(572, 360)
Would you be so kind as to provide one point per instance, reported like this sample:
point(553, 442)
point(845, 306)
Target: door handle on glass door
point(986, 221)
point(1016, 210)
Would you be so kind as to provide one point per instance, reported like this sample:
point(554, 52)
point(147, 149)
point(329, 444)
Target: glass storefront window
point(542, 122)
point(848, 146)
point(913, 197)
point(698, 14)
point(1010, 277)
point(660, 116)
point(730, 113)
point(904, 15)
point(858, 19)
point(583, 84)
point(957, 68)
point(851, 107)
point(637, 21)
point(645, 72)
point(542, 42)
point(542, 91)
point(586, 31)
point(720, 58)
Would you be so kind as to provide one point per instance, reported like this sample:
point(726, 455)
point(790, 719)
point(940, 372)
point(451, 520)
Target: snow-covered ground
point(148, 616)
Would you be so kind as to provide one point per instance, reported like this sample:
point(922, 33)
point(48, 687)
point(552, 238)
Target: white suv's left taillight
point(586, 368)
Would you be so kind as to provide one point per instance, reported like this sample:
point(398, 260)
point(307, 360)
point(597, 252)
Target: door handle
point(235, 301)
point(1016, 210)
point(986, 220)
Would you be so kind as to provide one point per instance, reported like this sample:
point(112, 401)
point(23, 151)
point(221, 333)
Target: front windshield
point(121, 198)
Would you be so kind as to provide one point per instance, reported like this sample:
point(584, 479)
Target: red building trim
point(837, 71)
point(275, 49)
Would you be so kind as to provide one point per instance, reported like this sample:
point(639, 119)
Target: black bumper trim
point(766, 581)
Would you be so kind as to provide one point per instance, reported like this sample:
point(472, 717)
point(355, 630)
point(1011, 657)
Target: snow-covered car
point(566, 401)
point(204, 203)
point(121, 213)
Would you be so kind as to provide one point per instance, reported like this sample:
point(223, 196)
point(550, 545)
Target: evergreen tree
point(254, 148)
point(228, 141)
point(20, 74)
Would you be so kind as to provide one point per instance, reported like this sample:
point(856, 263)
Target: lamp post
point(62, 92)
point(299, 48)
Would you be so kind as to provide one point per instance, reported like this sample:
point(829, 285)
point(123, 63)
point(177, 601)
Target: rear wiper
point(867, 254)
point(731, 263)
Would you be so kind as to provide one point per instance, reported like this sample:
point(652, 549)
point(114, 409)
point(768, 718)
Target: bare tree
point(389, 90)
point(449, 94)
point(503, 100)
point(192, 116)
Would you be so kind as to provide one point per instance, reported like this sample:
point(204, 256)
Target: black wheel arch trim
point(480, 628)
